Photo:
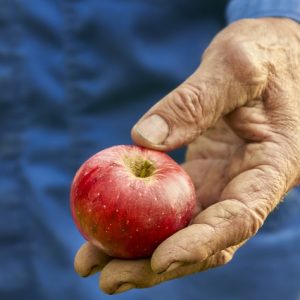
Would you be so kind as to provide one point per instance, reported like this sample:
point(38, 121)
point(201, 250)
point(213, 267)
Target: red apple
point(126, 200)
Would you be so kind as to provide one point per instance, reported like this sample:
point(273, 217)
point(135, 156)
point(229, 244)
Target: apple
point(127, 199)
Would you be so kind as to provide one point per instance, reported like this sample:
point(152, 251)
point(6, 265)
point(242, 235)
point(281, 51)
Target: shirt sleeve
point(241, 9)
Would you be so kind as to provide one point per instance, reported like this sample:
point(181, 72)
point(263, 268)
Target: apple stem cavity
point(140, 167)
point(145, 169)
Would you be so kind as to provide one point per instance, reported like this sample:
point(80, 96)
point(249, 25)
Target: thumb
point(196, 105)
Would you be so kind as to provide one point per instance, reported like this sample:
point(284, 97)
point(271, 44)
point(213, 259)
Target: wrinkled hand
point(240, 114)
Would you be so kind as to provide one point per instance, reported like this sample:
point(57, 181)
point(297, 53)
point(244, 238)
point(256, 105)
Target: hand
point(240, 115)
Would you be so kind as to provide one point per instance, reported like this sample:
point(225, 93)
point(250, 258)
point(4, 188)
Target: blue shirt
point(74, 78)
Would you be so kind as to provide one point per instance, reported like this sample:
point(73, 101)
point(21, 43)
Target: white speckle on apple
point(137, 230)
point(117, 210)
point(104, 206)
point(127, 222)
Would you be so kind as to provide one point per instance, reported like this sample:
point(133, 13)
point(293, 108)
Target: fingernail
point(174, 265)
point(153, 129)
point(124, 287)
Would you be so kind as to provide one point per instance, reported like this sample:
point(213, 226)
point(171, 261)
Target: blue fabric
point(241, 9)
point(74, 78)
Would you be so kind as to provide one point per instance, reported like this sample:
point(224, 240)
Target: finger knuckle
point(247, 219)
point(186, 104)
point(223, 257)
point(257, 218)
point(254, 217)
point(241, 61)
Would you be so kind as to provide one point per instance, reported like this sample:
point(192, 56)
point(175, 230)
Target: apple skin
point(127, 216)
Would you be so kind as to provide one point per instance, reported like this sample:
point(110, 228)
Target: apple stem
point(144, 169)
point(141, 167)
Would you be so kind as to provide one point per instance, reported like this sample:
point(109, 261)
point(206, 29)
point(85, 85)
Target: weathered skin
point(240, 114)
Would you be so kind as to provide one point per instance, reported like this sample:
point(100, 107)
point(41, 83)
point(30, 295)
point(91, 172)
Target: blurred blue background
point(74, 78)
